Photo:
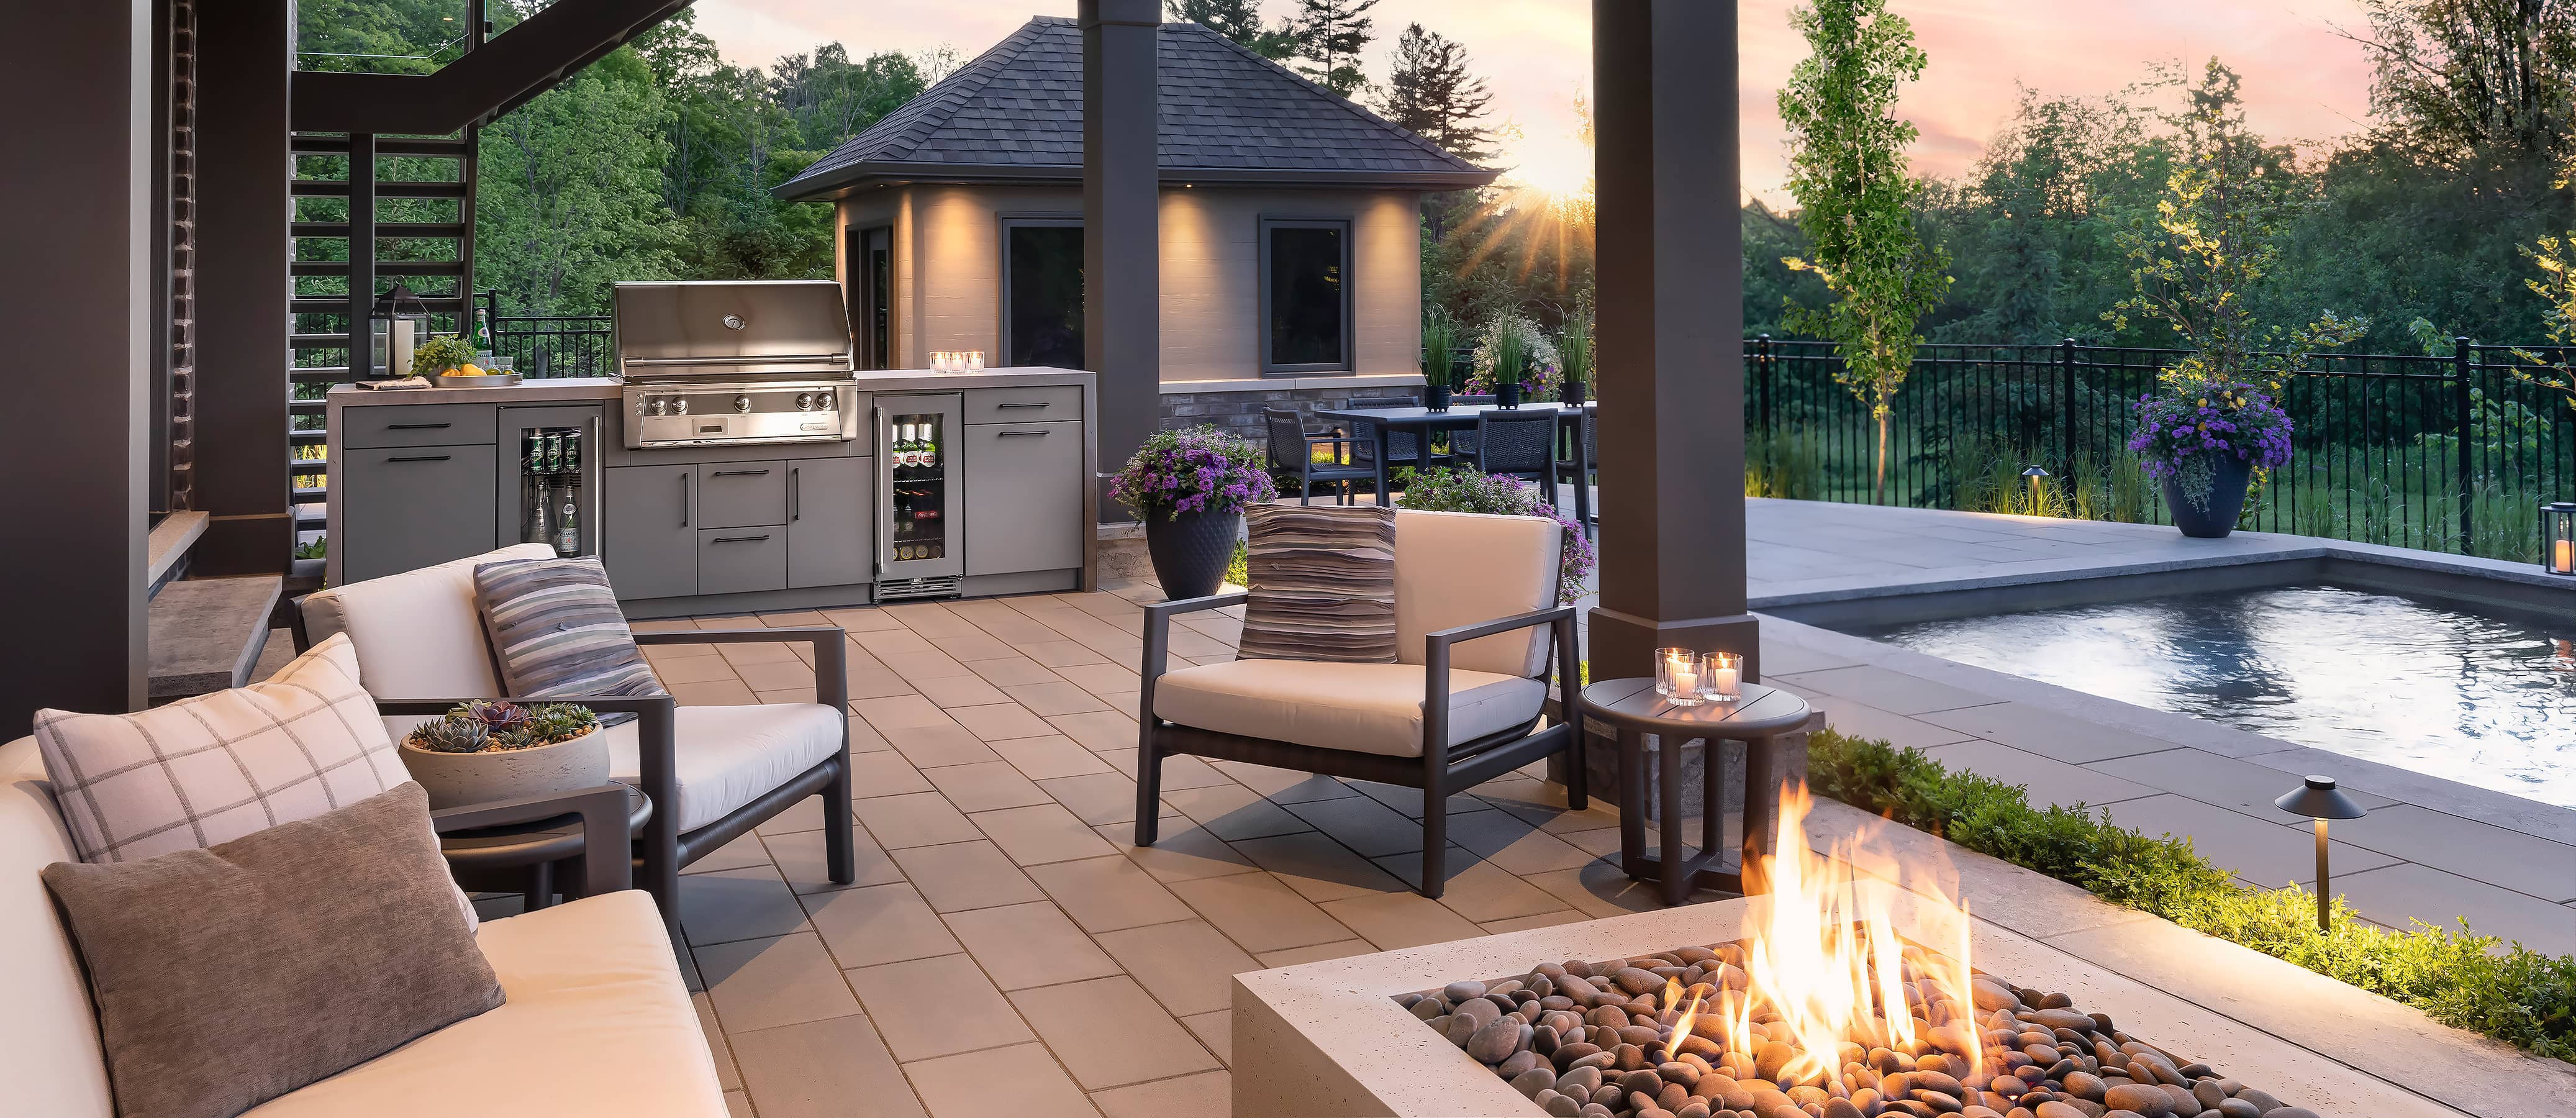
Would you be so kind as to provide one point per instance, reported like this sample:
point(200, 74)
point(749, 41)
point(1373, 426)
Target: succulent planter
point(460, 779)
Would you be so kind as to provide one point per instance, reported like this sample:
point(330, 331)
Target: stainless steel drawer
point(416, 425)
point(1061, 402)
point(735, 560)
point(742, 494)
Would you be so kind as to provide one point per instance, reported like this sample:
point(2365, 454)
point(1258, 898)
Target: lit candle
point(1724, 679)
point(2566, 559)
point(1685, 677)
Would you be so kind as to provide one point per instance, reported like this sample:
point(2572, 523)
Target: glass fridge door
point(917, 486)
point(550, 478)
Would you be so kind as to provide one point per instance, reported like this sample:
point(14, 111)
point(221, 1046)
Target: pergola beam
point(1121, 237)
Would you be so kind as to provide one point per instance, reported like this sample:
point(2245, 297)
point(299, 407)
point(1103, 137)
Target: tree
point(1430, 91)
point(1856, 200)
point(569, 198)
point(1239, 20)
point(1330, 36)
point(2475, 84)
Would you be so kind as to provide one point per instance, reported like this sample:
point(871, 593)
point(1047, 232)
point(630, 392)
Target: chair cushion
point(725, 757)
point(557, 632)
point(418, 633)
point(597, 1022)
point(49, 1053)
point(231, 975)
point(1363, 708)
point(1460, 568)
point(1323, 584)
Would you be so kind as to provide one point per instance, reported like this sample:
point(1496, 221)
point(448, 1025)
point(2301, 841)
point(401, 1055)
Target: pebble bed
point(1596, 1040)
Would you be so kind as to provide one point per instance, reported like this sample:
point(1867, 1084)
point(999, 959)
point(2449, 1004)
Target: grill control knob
point(742, 404)
point(680, 406)
point(827, 400)
point(804, 401)
point(661, 406)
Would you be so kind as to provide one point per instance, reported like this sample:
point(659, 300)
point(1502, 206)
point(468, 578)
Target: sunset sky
point(2301, 81)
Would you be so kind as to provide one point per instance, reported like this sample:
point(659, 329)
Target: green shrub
point(2475, 982)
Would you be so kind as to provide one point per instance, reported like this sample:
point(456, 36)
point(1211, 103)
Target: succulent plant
point(452, 735)
point(481, 726)
point(557, 721)
point(496, 715)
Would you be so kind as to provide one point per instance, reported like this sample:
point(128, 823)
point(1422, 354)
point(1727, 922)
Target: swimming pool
point(2483, 696)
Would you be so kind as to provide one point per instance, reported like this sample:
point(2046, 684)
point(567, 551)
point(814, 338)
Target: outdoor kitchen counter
point(582, 389)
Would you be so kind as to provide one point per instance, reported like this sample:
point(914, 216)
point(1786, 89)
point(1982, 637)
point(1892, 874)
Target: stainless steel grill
point(735, 361)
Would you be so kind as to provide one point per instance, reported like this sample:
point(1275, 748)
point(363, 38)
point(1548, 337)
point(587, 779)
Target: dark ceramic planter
point(1190, 552)
point(2227, 492)
point(1571, 392)
point(1507, 395)
point(1435, 397)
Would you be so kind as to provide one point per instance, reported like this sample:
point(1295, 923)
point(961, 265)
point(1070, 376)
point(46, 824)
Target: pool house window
point(1042, 291)
point(1305, 295)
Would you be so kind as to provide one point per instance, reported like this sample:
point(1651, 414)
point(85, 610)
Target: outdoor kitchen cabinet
point(831, 525)
point(404, 507)
point(651, 530)
point(1023, 496)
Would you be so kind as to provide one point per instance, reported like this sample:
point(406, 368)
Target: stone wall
point(1240, 412)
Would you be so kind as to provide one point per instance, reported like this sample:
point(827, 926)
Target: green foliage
point(1857, 201)
point(479, 725)
point(1330, 35)
point(1786, 463)
point(439, 354)
point(1239, 20)
point(1439, 347)
point(1238, 570)
point(451, 735)
point(2475, 982)
point(1430, 91)
point(2557, 288)
point(1574, 346)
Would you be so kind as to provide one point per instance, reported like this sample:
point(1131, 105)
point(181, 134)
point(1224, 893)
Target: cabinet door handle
point(1022, 434)
point(418, 458)
point(684, 500)
point(739, 539)
point(740, 473)
point(1035, 405)
point(418, 426)
point(795, 493)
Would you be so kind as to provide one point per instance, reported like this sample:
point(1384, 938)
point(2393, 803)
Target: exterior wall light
point(2320, 800)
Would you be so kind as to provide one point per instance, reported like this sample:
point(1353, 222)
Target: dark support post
point(76, 301)
point(362, 247)
point(2464, 421)
point(241, 288)
point(1671, 329)
point(2066, 406)
point(1121, 241)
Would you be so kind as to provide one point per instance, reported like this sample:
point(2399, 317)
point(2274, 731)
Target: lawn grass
point(2509, 992)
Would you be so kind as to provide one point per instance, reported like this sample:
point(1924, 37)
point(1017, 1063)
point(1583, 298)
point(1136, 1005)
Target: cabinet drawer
point(1061, 402)
point(402, 509)
point(741, 494)
point(733, 560)
point(1023, 497)
point(416, 425)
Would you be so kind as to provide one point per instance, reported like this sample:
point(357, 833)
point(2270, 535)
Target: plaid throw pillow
point(1323, 584)
point(557, 631)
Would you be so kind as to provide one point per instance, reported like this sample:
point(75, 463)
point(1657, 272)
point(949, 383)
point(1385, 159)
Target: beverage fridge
point(918, 553)
point(550, 478)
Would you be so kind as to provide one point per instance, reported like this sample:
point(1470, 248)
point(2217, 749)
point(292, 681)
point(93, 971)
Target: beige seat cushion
point(1364, 708)
point(1461, 568)
point(725, 757)
point(597, 1022)
point(50, 1060)
point(419, 633)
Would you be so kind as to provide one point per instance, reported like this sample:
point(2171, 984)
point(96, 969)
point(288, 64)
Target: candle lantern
point(2558, 537)
point(396, 323)
point(2319, 800)
point(1723, 679)
point(1677, 676)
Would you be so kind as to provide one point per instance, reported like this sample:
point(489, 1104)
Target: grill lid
point(731, 328)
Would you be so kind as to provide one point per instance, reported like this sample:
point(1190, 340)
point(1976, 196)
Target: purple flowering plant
point(1462, 490)
point(2184, 431)
point(1198, 470)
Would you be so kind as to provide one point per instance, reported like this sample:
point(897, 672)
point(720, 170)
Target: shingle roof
point(1226, 115)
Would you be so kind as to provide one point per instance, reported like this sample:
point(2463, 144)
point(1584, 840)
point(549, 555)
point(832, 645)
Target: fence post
point(1762, 367)
point(2066, 403)
point(2464, 418)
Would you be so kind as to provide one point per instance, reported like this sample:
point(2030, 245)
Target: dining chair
point(1404, 448)
point(1292, 457)
point(1462, 440)
point(1579, 471)
point(1519, 443)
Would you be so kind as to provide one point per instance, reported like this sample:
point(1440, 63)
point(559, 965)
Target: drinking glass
point(1678, 672)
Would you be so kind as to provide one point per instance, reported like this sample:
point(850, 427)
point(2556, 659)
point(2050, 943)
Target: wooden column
point(1671, 322)
point(242, 166)
point(1121, 238)
point(77, 300)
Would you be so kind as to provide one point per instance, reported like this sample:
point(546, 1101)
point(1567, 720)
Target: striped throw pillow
point(1323, 584)
point(557, 631)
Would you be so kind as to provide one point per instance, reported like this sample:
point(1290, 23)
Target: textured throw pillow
point(556, 628)
point(228, 976)
point(1323, 584)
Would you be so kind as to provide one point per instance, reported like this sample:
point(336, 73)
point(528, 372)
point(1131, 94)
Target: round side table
point(1759, 717)
point(485, 856)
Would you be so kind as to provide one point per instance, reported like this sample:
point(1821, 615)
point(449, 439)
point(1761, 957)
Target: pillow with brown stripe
point(1323, 584)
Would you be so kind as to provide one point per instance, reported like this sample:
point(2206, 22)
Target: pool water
point(2485, 698)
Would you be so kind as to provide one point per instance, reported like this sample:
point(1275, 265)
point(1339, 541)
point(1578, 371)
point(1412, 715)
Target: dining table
point(1423, 421)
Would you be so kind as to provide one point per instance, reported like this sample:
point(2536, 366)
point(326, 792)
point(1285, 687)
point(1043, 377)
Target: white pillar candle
point(1685, 679)
point(1725, 680)
point(2565, 560)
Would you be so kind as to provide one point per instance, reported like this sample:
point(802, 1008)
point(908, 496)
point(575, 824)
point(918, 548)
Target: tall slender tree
point(1239, 20)
point(1430, 90)
point(1857, 200)
point(1330, 36)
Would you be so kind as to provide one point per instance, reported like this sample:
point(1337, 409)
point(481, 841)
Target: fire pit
point(1824, 1010)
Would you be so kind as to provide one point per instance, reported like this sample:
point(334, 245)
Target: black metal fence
point(2449, 453)
point(550, 345)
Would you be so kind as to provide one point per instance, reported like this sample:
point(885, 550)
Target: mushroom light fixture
point(2036, 476)
point(2320, 800)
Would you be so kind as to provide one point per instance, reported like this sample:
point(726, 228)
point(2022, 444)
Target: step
point(383, 268)
point(311, 515)
point(307, 466)
point(429, 146)
point(168, 545)
point(339, 188)
point(207, 633)
point(426, 230)
point(320, 374)
point(339, 304)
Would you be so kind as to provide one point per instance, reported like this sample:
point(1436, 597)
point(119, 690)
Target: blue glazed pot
point(2226, 498)
point(1190, 551)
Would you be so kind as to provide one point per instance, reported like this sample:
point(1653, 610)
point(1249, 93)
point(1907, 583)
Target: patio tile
point(1128, 703)
point(920, 819)
point(1109, 1032)
point(1099, 799)
point(921, 667)
point(973, 644)
point(1011, 670)
point(787, 695)
point(2048, 783)
point(1525, 923)
point(836, 1068)
point(1317, 953)
point(862, 619)
point(1040, 834)
point(900, 712)
point(693, 669)
point(728, 905)
point(1216, 1030)
point(1259, 912)
point(761, 652)
point(1397, 920)
point(951, 692)
point(1409, 800)
point(739, 854)
point(930, 619)
point(865, 738)
point(892, 644)
point(883, 774)
point(1599, 889)
point(1048, 756)
point(965, 875)
point(878, 924)
point(1107, 894)
point(1187, 965)
point(2048, 733)
point(2396, 895)
point(2480, 851)
point(1513, 843)
point(802, 862)
point(1060, 653)
point(1098, 730)
point(728, 1075)
point(2212, 778)
point(776, 676)
point(986, 786)
point(998, 721)
point(1476, 889)
point(1181, 853)
point(1363, 824)
point(714, 693)
point(934, 1007)
point(2266, 853)
point(1022, 1081)
point(765, 983)
point(1859, 720)
point(1032, 944)
point(1285, 786)
point(1232, 812)
point(875, 683)
point(803, 815)
point(1317, 867)
point(930, 747)
point(1099, 679)
point(1055, 698)
point(1887, 689)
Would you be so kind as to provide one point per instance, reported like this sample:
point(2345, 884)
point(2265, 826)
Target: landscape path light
point(2320, 800)
point(2036, 476)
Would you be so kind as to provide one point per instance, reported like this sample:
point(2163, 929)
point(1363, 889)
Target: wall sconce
point(2320, 800)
